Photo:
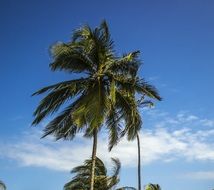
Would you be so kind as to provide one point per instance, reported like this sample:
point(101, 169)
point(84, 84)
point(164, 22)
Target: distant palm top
point(151, 186)
point(81, 181)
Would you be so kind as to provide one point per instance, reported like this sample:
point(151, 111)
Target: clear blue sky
point(176, 41)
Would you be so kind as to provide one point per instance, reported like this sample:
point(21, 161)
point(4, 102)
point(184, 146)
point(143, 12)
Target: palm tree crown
point(87, 54)
point(100, 94)
point(151, 186)
point(80, 181)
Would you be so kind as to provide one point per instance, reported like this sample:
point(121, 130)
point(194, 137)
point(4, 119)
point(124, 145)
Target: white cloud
point(163, 143)
point(33, 151)
point(183, 118)
point(157, 145)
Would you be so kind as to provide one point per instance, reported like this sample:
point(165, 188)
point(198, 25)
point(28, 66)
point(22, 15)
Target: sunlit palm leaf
point(70, 58)
point(59, 94)
point(151, 186)
point(130, 113)
point(64, 126)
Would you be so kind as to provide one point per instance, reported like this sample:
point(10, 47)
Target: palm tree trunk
point(94, 151)
point(139, 163)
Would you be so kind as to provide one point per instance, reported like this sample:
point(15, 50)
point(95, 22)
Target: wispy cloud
point(183, 118)
point(157, 145)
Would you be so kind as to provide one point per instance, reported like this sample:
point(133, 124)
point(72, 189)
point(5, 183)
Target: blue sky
point(176, 41)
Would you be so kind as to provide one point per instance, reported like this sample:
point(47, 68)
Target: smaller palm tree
point(151, 186)
point(81, 180)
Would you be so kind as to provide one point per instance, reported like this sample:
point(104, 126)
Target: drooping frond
point(116, 166)
point(142, 103)
point(130, 113)
point(114, 179)
point(64, 125)
point(113, 124)
point(93, 107)
point(59, 94)
point(66, 84)
point(136, 85)
point(149, 90)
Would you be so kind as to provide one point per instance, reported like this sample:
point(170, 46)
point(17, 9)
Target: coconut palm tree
point(151, 186)
point(137, 93)
point(97, 96)
point(81, 179)
point(142, 103)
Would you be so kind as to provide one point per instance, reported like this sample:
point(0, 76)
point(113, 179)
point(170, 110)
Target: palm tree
point(137, 93)
point(97, 97)
point(151, 186)
point(142, 103)
point(102, 181)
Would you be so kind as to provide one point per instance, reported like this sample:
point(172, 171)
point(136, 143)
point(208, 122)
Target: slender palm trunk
point(139, 163)
point(94, 151)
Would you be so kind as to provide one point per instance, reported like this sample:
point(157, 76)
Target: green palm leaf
point(70, 58)
point(59, 94)
point(151, 186)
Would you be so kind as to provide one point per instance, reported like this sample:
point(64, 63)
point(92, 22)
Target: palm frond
point(116, 166)
point(64, 125)
point(142, 103)
point(151, 186)
point(113, 125)
point(130, 113)
point(60, 93)
point(94, 107)
point(104, 28)
point(114, 179)
point(128, 65)
point(125, 83)
point(149, 90)
point(84, 32)
point(70, 58)
point(97, 43)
